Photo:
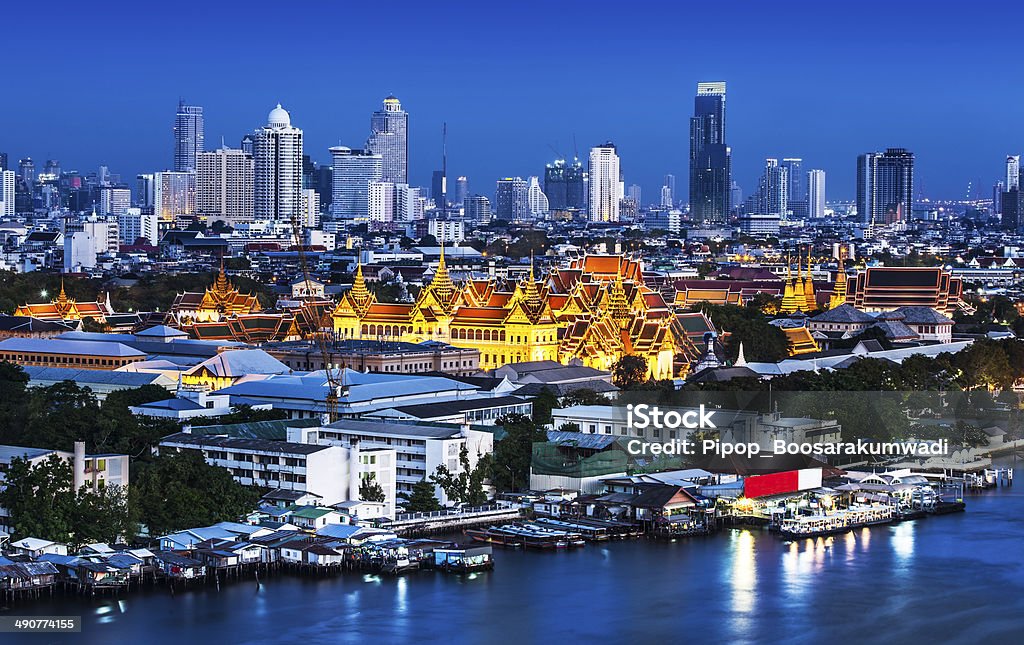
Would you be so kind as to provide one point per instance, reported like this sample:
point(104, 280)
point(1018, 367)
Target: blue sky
point(97, 83)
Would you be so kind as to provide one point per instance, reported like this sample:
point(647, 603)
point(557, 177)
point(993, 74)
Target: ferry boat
point(840, 521)
point(512, 535)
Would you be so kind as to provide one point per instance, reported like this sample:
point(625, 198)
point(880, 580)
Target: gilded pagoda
point(219, 301)
point(598, 310)
point(64, 309)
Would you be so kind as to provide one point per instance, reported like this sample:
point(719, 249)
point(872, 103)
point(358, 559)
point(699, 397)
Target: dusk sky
point(98, 83)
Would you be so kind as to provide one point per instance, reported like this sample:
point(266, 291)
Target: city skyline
point(815, 108)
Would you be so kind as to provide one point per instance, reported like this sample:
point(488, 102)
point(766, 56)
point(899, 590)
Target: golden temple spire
point(789, 301)
point(222, 285)
point(810, 300)
point(359, 294)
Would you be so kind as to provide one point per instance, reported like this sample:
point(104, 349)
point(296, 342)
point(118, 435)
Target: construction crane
point(335, 383)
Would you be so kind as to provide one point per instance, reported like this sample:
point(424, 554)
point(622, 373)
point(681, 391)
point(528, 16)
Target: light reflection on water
point(743, 578)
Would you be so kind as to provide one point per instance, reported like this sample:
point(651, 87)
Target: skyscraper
point(174, 195)
point(461, 190)
point(225, 186)
point(7, 192)
point(439, 188)
point(353, 171)
point(816, 193)
point(277, 168)
point(670, 193)
point(3, 161)
point(511, 199)
point(188, 136)
point(710, 157)
point(634, 193)
point(885, 186)
point(773, 191)
point(1013, 210)
point(27, 171)
point(797, 189)
point(115, 200)
point(477, 209)
point(144, 187)
point(605, 187)
point(389, 138)
point(1012, 172)
point(537, 200)
point(564, 185)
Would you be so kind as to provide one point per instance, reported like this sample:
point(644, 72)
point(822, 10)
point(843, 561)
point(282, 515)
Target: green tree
point(13, 402)
point(466, 486)
point(583, 396)
point(543, 403)
point(630, 371)
point(39, 498)
point(371, 491)
point(103, 515)
point(422, 499)
point(178, 490)
point(513, 453)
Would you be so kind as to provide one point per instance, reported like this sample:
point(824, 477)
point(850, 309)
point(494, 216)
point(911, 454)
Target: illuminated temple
point(597, 310)
point(64, 309)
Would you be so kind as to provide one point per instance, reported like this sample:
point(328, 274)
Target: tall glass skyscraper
point(389, 138)
point(710, 158)
point(354, 171)
point(188, 136)
point(797, 188)
point(605, 184)
point(885, 186)
point(564, 185)
point(277, 157)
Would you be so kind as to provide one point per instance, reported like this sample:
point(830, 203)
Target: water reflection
point(743, 578)
point(903, 542)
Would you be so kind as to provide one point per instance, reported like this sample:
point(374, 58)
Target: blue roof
point(9, 452)
point(89, 377)
point(342, 531)
point(361, 386)
point(76, 347)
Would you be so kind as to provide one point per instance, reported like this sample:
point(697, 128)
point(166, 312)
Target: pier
point(436, 522)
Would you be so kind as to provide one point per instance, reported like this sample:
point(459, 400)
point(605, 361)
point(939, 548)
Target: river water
point(955, 578)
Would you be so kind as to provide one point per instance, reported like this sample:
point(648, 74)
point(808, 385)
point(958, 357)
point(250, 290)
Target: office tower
point(605, 190)
point(1013, 209)
point(710, 157)
point(797, 189)
point(511, 199)
point(277, 168)
point(115, 200)
point(248, 144)
point(353, 171)
point(438, 188)
point(536, 199)
point(408, 203)
point(381, 202)
point(52, 168)
point(666, 197)
point(133, 225)
point(174, 195)
point(8, 180)
point(670, 184)
point(389, 138)
point(309, 208)
point(461, 190)
point(633, 192)
point(564, 185)
point(144, 186)
point(225, 181)
point(816, 193)
point(1012, 172)
point(885, 186)
point(188, 136)
point(773, 191)
point(477, 208)
point(27, 171)
point(3, 161)
point(997, 197)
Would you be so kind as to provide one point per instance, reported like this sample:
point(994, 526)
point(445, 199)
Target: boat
point(840, 521)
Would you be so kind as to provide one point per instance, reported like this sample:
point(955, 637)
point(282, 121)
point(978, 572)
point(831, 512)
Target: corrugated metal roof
point(75, 347)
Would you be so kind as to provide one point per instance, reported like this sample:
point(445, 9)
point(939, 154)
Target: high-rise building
point(997, 197)
point(461, 190)
point(188, 136)
point(536, 199)
point(408, 203)
point(666, 197)
point(1012, 172)
point(3, 161)
point(511, 199)
point(27, 171)
point(225, 181)
point(564, 185)
point(773, 191)
point(309, 208)
point(797, 189)
point(710, 157)
point(8, 181)
point(277, 168)
point(144, 187)
point(633, 192)
point(174, 195)
point(1013, 209)
point(353, 171)
point(381, 201)
point(477, 208)
point(115, 200)
point(389, 138)
point(885, 186)
point(439, 188)
point(816, 193)
point(605, 186)
point(248, 144)
point(133, 225)
point(670, 184)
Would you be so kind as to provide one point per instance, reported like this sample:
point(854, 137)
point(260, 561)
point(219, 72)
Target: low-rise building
point(80, 354)
point(378, 356)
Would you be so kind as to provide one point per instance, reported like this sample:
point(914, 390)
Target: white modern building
point(309, 208)
point(224, 186)
point(174, 195)
point(354, 171)
point(535, 197)
point(7, 179)
point(134, 225)
point(605, 185)
point(277, 168)
point(115, 200)
point(381, 201)
point(447, 231)
point(816, 193)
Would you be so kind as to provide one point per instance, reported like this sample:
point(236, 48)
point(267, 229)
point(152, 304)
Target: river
point(955, 578)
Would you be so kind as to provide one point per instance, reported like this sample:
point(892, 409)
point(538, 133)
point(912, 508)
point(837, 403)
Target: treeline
point(166, 493)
